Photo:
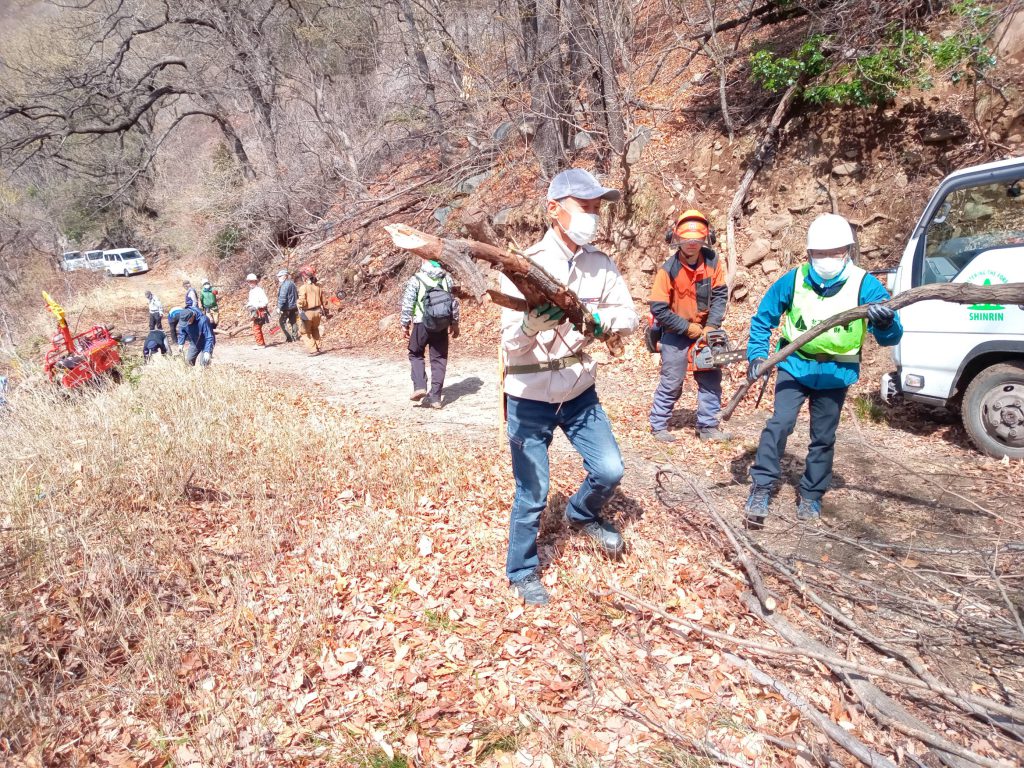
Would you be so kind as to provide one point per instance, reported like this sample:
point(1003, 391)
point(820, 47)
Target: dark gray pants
point(825, 407)
point(419, 340)
point(288, 322)
point(155, 320)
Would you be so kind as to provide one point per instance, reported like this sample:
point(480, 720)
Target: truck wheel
point(993, 410)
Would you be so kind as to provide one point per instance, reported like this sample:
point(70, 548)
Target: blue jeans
point(674, 348)
point(531, 427)
point(825, 407)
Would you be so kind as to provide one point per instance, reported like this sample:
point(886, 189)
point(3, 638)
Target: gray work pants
point(670, 386)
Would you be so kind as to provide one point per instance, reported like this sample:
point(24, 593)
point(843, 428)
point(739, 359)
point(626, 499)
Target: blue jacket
point(810, 373)
point(287, 295)
point(199, 333)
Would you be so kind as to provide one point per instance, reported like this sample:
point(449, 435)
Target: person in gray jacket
point(430, 313)
point(288, 306)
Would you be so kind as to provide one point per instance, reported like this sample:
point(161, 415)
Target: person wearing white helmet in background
point(288, 306)
point(822, 370)
point(257, 304)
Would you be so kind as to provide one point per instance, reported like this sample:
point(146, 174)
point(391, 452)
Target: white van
point(94, 260)
point(124, 261)
point(72, 260)
point(971, 357)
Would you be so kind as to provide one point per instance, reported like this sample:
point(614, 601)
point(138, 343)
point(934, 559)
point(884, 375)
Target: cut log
point(958, 293)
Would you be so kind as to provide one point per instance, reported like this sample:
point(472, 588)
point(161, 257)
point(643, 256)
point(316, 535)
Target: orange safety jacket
point(682, 295)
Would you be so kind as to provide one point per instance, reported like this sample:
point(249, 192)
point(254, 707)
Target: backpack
point(437, 306)
point(209, 298)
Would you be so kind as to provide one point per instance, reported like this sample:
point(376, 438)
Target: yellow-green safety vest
point(840, 344)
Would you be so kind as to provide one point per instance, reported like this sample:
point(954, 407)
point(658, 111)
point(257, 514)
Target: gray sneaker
point(664, 436)
point(605, 535)
point(531, 590)
point(757, 506)
point(808, 509)
point(713, 435)
point(434, 402)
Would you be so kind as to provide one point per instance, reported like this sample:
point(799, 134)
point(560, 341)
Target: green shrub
point(905, 58)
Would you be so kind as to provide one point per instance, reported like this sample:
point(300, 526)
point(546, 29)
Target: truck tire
point(993, 410)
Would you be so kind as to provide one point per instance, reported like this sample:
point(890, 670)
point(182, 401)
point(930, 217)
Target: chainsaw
point(713, 351)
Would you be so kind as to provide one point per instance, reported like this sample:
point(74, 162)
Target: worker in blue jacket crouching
point(822, 370)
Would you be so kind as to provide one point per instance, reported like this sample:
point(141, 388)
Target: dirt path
point(380, 387)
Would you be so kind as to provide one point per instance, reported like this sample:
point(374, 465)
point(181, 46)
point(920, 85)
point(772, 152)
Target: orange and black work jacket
point(682, 294)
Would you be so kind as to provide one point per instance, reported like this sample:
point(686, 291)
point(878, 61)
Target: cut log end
point(405, 237)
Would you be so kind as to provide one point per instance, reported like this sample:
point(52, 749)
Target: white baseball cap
point(282, 273)
point(581, 184)
point(250, 278)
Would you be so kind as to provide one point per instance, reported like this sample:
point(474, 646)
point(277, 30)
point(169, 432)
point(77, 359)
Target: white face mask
point(828, 267)
point(582, 226)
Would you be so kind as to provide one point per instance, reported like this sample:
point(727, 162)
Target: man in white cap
point(822, 370)
point(550, 380)
point(257, 304)
point(288, 306)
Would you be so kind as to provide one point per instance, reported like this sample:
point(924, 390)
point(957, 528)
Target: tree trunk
point(419, 56)
point(548, 92)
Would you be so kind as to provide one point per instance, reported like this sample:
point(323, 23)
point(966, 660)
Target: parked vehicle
point(71, 261)
point(124, 262)
point(95, 261)
point(959, 356)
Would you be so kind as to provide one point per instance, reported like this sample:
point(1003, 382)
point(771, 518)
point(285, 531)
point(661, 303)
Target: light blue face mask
point(434, 263)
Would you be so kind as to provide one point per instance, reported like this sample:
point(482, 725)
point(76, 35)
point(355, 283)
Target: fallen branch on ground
point(684, 628)
point(958, 293)
point(762, 156)
point(753, 574)
point(875, 701)
point(855, 747)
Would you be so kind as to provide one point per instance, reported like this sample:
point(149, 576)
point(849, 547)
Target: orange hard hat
point(692, 225)
point(307, 270)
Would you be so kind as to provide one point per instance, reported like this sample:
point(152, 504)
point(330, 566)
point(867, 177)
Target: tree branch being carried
point(958, 293)
point(537, 286)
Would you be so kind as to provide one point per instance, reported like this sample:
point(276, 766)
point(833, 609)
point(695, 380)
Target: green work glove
point(542, 318)
point(598, 328)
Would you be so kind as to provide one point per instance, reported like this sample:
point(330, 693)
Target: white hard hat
point(250, 278)
point(282, 273)
point(829, 231)
point(205, 281)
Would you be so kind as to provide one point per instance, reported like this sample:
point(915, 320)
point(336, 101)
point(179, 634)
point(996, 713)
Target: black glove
point(754, 369)
point(881, 316)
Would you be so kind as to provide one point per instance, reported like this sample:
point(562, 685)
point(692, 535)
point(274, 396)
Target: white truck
point(969, 357)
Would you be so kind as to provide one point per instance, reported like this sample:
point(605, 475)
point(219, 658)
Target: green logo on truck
point(986, 313)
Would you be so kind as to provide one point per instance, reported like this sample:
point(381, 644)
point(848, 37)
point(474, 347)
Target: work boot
point(435, 403)
point(418, 395)
point(605, 535)
point(713, 435)
point(756, 508)
point(664, 436)
point(531, 590)
point(808, 509)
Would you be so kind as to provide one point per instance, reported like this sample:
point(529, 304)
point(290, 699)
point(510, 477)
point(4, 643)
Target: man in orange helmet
point(688, 299)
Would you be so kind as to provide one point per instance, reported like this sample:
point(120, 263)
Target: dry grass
point(124, 507)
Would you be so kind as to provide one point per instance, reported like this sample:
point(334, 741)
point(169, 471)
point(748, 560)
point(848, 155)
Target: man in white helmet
point(822, 370)
point(257, 304)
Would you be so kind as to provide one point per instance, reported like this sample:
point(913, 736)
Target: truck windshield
point(971, 221)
